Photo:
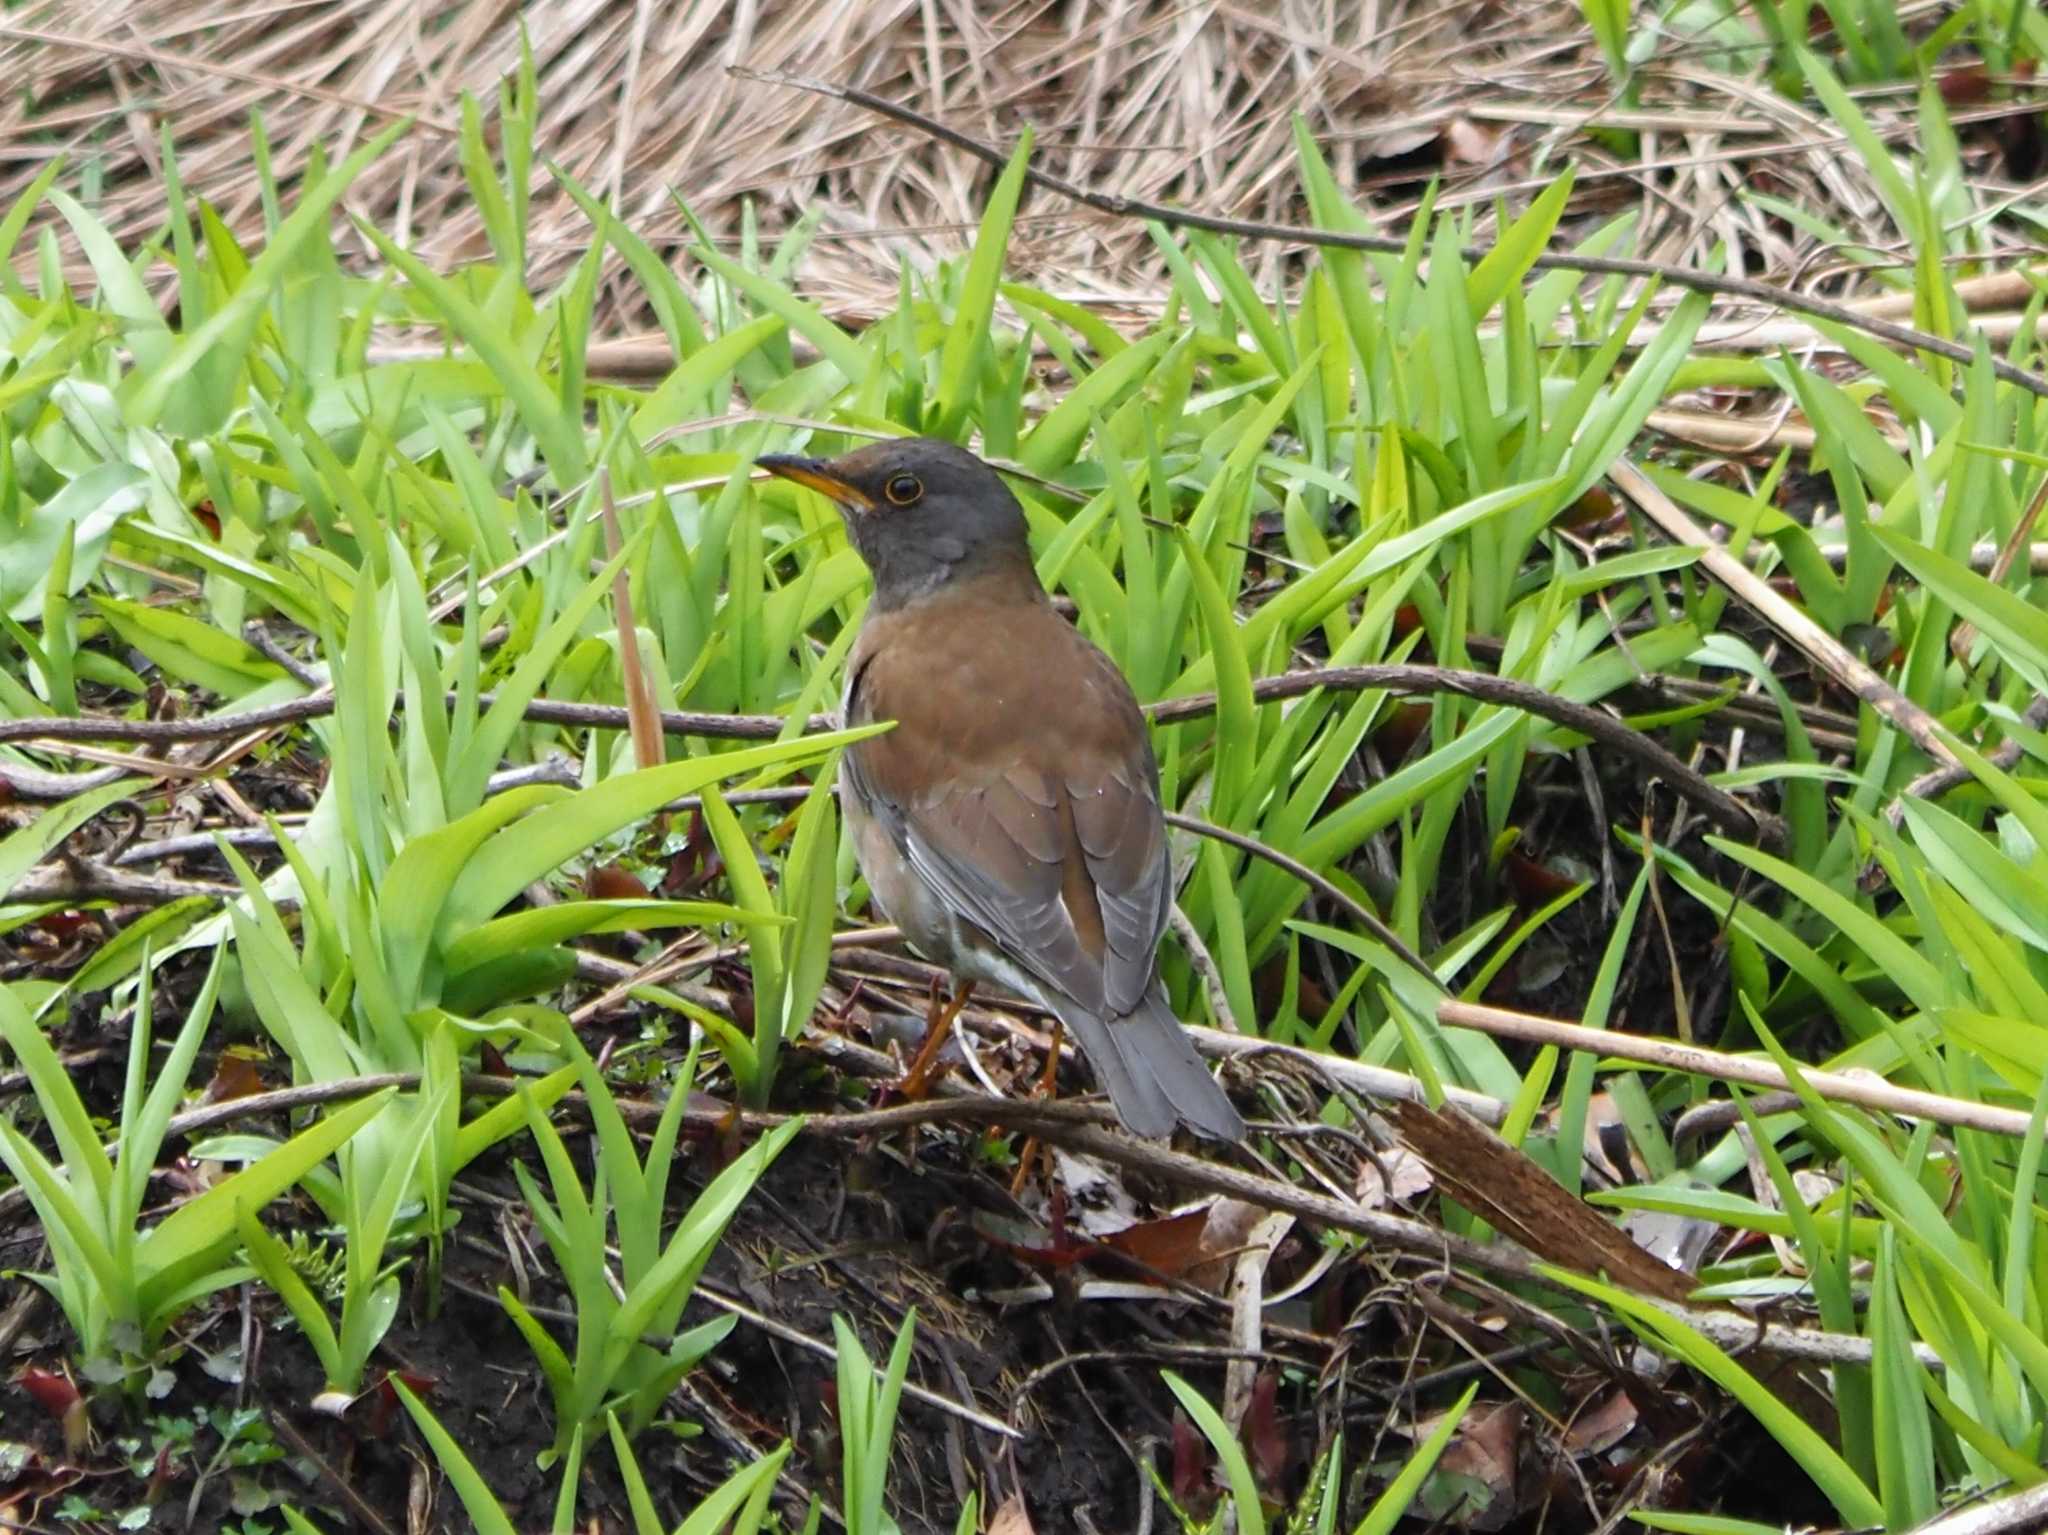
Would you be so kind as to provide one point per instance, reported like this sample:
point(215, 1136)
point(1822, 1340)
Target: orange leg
point(1048, 1083)
point(938, 1029)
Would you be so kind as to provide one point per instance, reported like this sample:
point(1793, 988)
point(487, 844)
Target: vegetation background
point(1570, 502)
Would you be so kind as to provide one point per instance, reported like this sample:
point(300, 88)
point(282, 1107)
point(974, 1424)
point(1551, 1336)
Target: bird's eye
point(903, 489)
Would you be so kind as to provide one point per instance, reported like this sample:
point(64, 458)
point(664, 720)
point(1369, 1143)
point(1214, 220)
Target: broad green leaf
point(1831, 1474)
point(539, 842)
point(967, 338)
point(206, 1225)
point(191, 651)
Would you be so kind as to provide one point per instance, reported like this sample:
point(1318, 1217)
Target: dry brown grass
point(1188, 103)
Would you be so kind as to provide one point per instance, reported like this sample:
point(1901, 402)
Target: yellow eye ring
point(903, 489)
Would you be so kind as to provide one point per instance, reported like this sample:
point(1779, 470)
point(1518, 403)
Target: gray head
point(921, 511)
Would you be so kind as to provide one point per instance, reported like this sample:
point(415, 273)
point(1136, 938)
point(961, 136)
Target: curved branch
point(1727, 812)
point(1080, 1127)
point(1248, 229)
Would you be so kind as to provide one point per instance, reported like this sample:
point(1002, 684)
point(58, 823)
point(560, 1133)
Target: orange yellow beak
point(816, 474)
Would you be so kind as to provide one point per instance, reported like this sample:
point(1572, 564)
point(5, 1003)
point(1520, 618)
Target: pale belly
point(928, 924)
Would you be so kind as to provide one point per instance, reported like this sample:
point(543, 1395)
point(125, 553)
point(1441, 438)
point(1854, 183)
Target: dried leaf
point(1602, 1427)
point(1396, 1177)
point(60, 1397)
point(614, 882)
point(1263, 1436)
point(234, 1076)
point(1486, 1454)
point(1168, 1246)
point(1013, 1518)
point(1501, 1183)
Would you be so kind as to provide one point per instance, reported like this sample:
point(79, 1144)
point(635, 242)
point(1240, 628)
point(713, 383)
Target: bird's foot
point(924, 1066)
point(1048, 1088)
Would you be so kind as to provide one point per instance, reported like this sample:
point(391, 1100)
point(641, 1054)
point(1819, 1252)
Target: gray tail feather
point(1147, 1064)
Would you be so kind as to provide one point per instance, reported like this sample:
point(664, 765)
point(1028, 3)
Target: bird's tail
point(1147, 1064)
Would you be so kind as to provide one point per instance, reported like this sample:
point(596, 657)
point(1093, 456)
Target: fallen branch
point(1727, 812)
point(2020, 1514)
point(1082, 1127)
point(1870, 1092)
point(1819, 646)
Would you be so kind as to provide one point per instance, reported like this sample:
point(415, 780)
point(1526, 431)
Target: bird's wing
point(1122, 838)
point(1022, 789)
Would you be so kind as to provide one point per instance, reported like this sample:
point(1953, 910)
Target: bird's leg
point(1048, 1085)
point(938, 1029)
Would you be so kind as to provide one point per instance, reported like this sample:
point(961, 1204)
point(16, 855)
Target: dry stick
point(795, 1337)
point(2016, 1515)
point(315, 706)
point(1964, 636)
point(1721, 807)
point(1727, 812)
point(1746, 336)
point(641, 714)
point(76, 880)
point(1825, 726)
point(1871, 1092)
point(1820, 647)
point(1379, 1082)
point(1939, 780)
point(2010, 289)
point(281, 1424)
point(1248, 229)
point(1740, 436)
point(1078, 1127)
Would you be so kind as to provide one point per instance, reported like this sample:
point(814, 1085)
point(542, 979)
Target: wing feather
point(1022, 789)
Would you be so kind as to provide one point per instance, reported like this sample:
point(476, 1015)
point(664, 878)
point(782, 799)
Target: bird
point(1010, 823)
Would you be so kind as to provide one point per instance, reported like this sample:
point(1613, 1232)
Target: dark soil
point(866, 1234)
point(869, 1231)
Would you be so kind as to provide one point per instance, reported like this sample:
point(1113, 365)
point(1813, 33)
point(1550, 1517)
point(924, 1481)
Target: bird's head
point(921, 511)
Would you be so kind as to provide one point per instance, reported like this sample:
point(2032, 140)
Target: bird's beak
point(817, 474)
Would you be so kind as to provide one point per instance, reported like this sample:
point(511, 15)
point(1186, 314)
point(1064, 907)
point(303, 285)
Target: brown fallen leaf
point(234, 1076)
point(1168, 1246)
point(58, 1396)
point(1487, 1449)
point(1012, 1518)
point(1466, 143)
point(614, 882)
point(1601, 1427)
point(1228, 1224)
point(1401, 1168)
point(1510, 1190)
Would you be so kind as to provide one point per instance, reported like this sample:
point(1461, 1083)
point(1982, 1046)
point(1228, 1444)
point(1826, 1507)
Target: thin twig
point(1364, 916)
point(1727, 812)
point(1820, 647)
point(1250, 229)
point(1204, 965)
point(1937, 781)
point(796, 1338)
point(1871, 1092)
point(345, 1489)
point(76, 880)
point(1082, 1127)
